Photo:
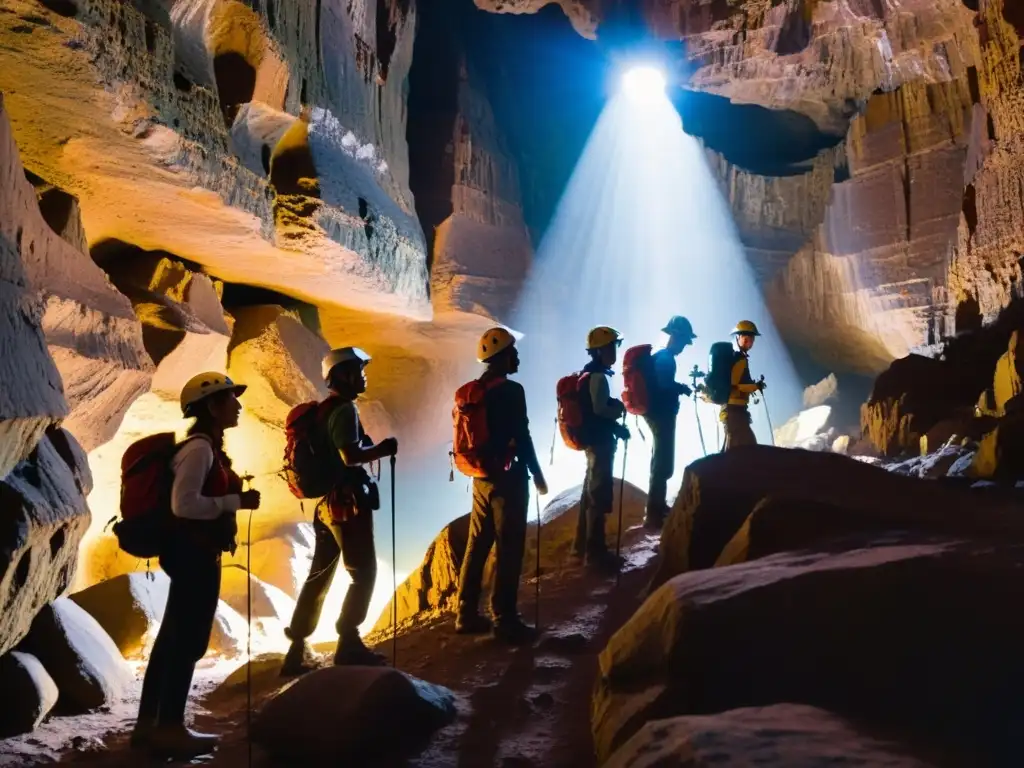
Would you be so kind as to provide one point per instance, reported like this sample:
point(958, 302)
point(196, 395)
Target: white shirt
point(191, 466)
point(600, 397)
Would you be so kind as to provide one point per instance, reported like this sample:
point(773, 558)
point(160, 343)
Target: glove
point(622, 432)
point(389, 446)
point(540, 484)
point(685, 391)
point(761, 386)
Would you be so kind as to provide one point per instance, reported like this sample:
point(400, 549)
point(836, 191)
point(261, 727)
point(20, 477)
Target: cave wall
point(137, 109)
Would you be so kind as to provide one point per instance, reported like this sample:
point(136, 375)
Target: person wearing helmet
point(661, 417)
point(601, 417)
point(501, 499)
point(735, 415)
point(343, 520)
point(205, 494)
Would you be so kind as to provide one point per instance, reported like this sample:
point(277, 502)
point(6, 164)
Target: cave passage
point(642, 233)
point(236, 83)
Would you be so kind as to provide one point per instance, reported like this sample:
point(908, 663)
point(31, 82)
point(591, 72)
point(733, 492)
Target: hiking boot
point(514, 632)
point(141, 735)
point(299, 660)
point(352, 652)
point(472, 624)
point(604, 562)
point(176, 742)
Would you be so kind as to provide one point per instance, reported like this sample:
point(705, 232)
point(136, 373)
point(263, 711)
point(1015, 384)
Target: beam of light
point(641, 233)
point(644, 84)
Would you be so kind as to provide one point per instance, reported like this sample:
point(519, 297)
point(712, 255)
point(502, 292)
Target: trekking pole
point(695, 374)
point(622, 496)
point(536, 609)
point(767, 414)
point(394, 574)
point(248, 623)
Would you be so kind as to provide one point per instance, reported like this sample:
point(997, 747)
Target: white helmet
point(205, 384)
point(342, 355)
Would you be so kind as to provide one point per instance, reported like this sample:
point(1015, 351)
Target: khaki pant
point(498, 519)
point(736, 419)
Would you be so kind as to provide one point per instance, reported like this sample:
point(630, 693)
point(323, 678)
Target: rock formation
point(163, 93)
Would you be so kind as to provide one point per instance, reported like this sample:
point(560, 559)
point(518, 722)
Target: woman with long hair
point(205, 495)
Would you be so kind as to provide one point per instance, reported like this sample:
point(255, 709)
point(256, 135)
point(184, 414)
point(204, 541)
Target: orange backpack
point(637, 371)
point(571, 417)
point(473, 456)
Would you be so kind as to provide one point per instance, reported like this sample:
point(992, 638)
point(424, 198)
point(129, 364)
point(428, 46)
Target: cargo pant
point(184, 634)
point(736, 420)
point(351, 541)
point(596, 500)
point(498, 519)
point(663, 461)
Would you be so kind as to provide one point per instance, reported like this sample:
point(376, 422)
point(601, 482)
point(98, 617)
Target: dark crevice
point(319, 53)
point(973, 86)
point(795, 34)
point(968, 315)
point(265, 153)
point(236, 83)
point(57, 207)
point(433, 107)
point(389, 14)
point(21, 572)
point(150, 36)
point(65, 8)
point(367, 217)
point(303, 94)
point(271, 14)
point(970, 209)
point(182, 83)
point(59, 440)
point(57, 543)
point(991, 125)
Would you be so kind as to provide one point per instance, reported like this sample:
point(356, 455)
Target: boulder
point(45, 516)
point(93, 336)
point(908, 399)
point(719, 493)
point(1006, 383)
point(432, 588)
point(357, 728)
point(929, 622)
point(29, 693)
point(31, 398)
point(131, 606)
point(1000, 453)
point(271, 608)
point(809, 429)
point(86, 665)
point(778, 736)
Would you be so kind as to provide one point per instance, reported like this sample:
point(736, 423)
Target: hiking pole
point(695, 374)
point(248, 623)
point(394, 574)
point(536, 608)
point(768, 415)
point(622, 496)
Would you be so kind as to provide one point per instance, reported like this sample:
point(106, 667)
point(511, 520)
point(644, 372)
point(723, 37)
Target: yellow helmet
point(745, 328)
point(205, 384)
point(602, 336)
point(493, 341)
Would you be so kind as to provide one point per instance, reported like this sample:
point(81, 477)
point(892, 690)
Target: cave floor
point(516, 707)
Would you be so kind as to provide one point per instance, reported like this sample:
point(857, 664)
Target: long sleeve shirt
point(600, 397)
point(742, 383)
point(509, 424)
point(191, 466)
point(667, 389)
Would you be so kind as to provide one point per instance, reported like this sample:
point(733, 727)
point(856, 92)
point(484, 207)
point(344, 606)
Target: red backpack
point(146, 481)
point(570, 409)
point(470, 448)
point(308, 468)
point(637, 368)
